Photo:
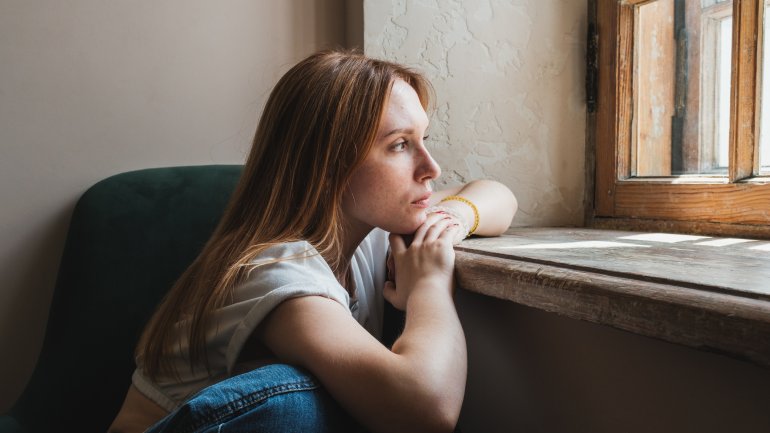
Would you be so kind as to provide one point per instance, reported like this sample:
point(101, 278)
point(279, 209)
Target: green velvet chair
point(130, 237)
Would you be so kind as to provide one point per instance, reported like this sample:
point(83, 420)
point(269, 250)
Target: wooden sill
point(704, 292)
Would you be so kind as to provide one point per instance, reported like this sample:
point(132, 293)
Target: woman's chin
point(406, 226)
point(403, 229)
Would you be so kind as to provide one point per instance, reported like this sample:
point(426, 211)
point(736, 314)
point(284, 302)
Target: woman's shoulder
point(284, 250)
point(288, 266)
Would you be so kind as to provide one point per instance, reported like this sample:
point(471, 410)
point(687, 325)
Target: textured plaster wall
point(509, 79)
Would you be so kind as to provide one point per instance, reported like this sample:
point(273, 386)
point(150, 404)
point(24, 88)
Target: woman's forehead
point(403, 111)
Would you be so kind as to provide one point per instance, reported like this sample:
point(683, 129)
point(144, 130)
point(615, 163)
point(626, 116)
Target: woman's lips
point(423, 201)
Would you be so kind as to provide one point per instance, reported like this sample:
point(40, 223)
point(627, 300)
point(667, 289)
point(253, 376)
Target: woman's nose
point(427, 168)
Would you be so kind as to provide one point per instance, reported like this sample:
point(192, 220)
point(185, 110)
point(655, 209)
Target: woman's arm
point(496, 205)
point(419, 385)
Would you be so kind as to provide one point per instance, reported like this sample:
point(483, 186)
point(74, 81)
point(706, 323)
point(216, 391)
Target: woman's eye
point(401, 145)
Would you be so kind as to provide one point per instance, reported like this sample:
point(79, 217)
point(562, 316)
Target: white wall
point(90, 88)
point(509, 78)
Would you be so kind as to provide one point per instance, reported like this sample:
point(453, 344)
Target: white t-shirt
point(286, 271)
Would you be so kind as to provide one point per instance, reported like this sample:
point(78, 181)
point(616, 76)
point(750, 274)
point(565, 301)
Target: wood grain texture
point(613, 289)
point(635, 2)
point(744, 98)
point(691, 227)
point(701, 262)
point(605, 118)
point(654, 60)
point(624, 92)
point(675, 200)
point(740, 203)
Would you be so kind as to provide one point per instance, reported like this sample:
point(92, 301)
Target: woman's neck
point(352, 236)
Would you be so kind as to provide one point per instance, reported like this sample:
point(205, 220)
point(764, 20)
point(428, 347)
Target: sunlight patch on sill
point(663, 237)
point(724, 242)
point(572, 245)
point(763, 247)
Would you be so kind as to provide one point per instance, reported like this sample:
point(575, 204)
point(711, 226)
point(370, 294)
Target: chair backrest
point(130, 237)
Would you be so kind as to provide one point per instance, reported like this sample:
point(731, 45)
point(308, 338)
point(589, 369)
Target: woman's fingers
point(428, 258)
point(437, 229)
point(450, 232)
point(397, 244)
point(419, 235)
point(391, 295)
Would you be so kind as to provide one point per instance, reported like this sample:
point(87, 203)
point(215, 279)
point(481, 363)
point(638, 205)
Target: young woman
point(275, 326)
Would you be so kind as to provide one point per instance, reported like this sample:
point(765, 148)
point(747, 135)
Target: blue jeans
point(274, 398)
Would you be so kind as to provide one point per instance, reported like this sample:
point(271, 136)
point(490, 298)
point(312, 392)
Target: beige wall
point(509, 77)
point(90, 88)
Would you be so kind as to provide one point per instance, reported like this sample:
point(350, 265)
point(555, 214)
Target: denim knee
point(274, 398)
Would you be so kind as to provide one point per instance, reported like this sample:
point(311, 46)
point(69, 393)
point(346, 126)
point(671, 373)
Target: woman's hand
point(460, 234)
point(428, 261)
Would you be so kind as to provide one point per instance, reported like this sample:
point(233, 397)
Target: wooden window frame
point(709, 93)
point(738, 204)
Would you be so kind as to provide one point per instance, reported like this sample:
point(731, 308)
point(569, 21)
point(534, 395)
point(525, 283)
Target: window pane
point(682, 87)
point(764, 127)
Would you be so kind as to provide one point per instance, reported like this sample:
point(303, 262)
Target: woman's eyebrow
point(406, 131)
point(398, 131)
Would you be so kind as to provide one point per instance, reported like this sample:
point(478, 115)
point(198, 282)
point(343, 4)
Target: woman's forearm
point(433, 350)
point(495, 203)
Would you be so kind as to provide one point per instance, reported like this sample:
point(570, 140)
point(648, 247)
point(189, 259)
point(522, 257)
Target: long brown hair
point(317, 126)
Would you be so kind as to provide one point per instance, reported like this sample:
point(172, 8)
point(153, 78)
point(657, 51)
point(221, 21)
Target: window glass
point(682, 77)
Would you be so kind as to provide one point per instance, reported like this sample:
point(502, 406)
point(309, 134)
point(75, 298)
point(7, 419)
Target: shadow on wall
point(318, 19)
point(354, 24)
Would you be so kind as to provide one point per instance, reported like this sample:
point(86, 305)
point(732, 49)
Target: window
point(682, 124)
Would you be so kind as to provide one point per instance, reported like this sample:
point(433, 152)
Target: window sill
point(708, 293)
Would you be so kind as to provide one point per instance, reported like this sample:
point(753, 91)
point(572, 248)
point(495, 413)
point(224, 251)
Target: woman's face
point(391, 188)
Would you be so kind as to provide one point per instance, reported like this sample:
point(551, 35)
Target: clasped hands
point(424, 260)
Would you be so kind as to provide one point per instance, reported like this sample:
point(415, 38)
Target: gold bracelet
point(469, 203)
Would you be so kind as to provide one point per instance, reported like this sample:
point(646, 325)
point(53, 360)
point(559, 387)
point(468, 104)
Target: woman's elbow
point(514, 206)
point(440, 408)
point(428, 419)
point(501, 206)
point(446, 417)
point(438, 420)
